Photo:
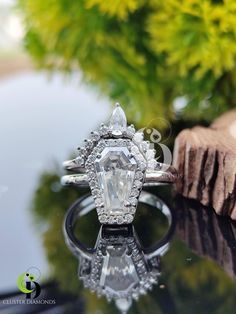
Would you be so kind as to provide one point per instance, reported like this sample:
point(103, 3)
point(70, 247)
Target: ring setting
point(116, 162)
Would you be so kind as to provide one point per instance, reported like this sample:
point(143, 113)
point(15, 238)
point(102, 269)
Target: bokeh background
point(43, 119)
point(145, 53)
point(171, 64)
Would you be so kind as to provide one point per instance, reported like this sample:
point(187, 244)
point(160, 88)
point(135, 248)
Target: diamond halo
point(116, 162)
point(115, 159)
point(119, 269)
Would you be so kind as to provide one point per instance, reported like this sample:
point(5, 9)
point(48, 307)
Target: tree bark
point(206, 161)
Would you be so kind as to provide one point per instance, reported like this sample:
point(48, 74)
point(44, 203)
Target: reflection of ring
point(116, 162)
point(85, 204)
point(118, 266)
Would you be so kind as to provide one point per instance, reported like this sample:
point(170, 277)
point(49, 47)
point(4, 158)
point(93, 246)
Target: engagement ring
point(116, 162)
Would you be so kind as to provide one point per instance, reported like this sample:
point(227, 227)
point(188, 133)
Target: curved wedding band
point(86, 204)
point(151, 178)
point(116, 162)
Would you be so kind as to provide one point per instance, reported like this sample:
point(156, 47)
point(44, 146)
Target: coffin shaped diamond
point(118, 271)
point(115, 173)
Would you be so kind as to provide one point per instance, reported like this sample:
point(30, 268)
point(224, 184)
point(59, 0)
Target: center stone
point(118, 271)
point(115, 172)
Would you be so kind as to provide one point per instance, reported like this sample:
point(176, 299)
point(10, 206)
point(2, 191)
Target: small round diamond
point(130, 130)
point(142, 291)
point(95, 136)
point(147, 285)
point(111, 220)
point(82, 150)
point(91, 175)
point(103, 130)
point(120, 220)
point(138, 137)
point(103, 218)
point(128, 218)
point(142, 165)
point(138, 183)
point(135, 296)
point(133, 201)
point(135, 193)
point(132, 210)
point(88, 144)
point(98, 201)
point(96, 192)
point(134, 150)
point(92, 184)
point(139, 175)
point(79, 161)
point(152, 164)
point(126, 208)
point(152, 280)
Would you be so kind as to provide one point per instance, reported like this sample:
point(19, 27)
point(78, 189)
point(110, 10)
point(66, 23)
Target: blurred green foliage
point(188, 284)
point(144, 54)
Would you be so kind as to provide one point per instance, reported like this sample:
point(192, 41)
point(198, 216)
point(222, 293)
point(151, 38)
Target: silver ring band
point(151, 178)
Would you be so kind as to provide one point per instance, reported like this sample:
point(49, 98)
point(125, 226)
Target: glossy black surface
point(197, 274)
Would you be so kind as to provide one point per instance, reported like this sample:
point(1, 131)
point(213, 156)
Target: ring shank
point(151, 178)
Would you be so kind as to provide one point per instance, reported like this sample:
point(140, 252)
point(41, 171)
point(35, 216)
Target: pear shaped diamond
point(118, 121)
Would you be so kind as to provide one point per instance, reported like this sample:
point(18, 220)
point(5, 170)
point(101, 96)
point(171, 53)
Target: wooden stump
point(206, 161)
